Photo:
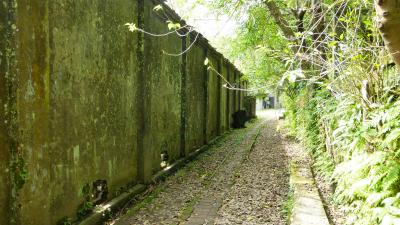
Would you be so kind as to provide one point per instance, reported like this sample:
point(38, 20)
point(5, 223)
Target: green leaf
point(131, 26)
point(173, 26)
point(206, 61)
point(392, 136)
point(158, 8)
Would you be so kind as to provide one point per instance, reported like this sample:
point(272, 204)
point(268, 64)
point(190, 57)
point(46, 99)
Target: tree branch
point(288, 33)
point(280, 21)
point(388, 12)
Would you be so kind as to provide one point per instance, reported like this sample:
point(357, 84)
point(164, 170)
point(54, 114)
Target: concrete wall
point(250, 106)
point(84, 99)
point(213, 97)
point(162, 86)
point(196, 97)
point(231, 94)
point(75, 101)
point(224, 102)
point(237, 93)
point(5, 57)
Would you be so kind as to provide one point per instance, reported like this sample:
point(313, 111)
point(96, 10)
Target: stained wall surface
point(6, 55)
point(83, 99)
point(75, 101)
point(213, 97)
point(163, 92)
point(196, 97)
point(224, 102)
point(232, 94)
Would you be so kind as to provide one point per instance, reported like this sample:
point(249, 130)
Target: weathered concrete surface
point(212, 98)
point(237, 93)
point(72, 103)
point(232, 95)
point(76, 103)
point(162, 86)
point(308, 208)
point(241, 93)
point(250, 106)
point(224, 102)
point(5, 51)
point(196, 98)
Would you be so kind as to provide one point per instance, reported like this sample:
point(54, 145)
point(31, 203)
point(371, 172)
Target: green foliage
point(366, 150)
point(87, 206)
point(305, 117)
point(65, 221)
point(340, 95)
point(85, 209)
point(287, 208)
point(173, 26)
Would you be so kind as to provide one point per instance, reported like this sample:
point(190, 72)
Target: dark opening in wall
point(164, 159)
point(99, 191)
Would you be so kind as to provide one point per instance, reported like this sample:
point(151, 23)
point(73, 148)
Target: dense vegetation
point(340, 88)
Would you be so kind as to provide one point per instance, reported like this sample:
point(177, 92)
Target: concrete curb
point(98, 216)
point(308, 208)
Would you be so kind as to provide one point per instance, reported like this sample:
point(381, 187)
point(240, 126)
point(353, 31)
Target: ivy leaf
point(206, 61)
point(173, 26)
point(158, 8)
point(131, 26)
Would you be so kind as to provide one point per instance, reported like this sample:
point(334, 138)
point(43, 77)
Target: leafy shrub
point(365, 158)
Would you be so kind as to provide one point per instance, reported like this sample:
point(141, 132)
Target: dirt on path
point(242, 179)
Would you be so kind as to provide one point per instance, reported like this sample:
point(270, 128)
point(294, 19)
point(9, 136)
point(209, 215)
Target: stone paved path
point(262, 184)
point(229, 184)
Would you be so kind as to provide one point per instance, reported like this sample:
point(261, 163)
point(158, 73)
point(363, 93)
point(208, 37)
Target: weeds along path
point(228, 184)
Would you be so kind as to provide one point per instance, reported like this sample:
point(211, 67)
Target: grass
point(287, 208)
point(188, 209)
point(148, 199)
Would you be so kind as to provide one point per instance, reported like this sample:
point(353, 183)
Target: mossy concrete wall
point(83, 99)
point(213, 97)
point(6, 55)
point(163, 92)
point(250, 106)
point(224, 98)
point(75, 100)
point(237, 93)
point(232, 94)
point(196, 97)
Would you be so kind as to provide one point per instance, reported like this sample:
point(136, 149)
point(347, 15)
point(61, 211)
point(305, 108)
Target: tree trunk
point(299, 13)
point(388, 12)
point(340, 29)
point(319, 33)
point(288, 33)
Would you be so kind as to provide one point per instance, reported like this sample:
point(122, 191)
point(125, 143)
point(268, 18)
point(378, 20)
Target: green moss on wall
point(94, 101)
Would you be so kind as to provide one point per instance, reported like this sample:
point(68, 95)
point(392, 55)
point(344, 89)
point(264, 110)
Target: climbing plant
point(340, 87)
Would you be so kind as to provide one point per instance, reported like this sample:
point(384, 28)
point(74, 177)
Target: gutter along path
point(242, 179)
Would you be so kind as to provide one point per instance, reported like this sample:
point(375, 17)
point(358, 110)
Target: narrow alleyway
point(242, 179)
